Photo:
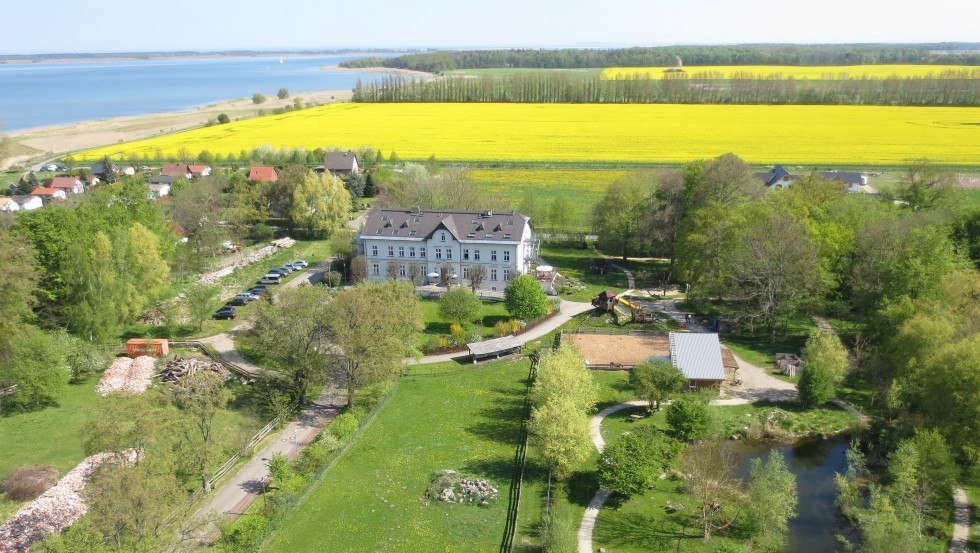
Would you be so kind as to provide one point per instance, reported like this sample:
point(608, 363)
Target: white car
point(301, 263)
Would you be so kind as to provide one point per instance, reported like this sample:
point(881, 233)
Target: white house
point(71, 185)
point(158, 190)
point(47, 193)
point(28, 202)
point(778, 177)
point(402, 239)
point(8, 205)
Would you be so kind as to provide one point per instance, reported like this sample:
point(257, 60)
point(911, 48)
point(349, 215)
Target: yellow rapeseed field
point(814, 72)
point(600, 132)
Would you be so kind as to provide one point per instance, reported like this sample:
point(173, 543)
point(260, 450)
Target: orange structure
point(155, 347)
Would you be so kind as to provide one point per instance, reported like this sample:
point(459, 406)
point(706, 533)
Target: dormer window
point(489, 235)
point(442, 236)
point(471, 235)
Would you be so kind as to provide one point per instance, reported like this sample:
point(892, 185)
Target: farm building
point(263, 173)
point(698, 355)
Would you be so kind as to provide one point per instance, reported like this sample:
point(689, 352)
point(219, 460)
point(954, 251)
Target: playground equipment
point(607, 300)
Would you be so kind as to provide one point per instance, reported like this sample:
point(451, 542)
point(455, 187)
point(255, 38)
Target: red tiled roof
point(197, 168)
point(174, 170)
point(43, 191)
point(64, 182)
point(265, 173)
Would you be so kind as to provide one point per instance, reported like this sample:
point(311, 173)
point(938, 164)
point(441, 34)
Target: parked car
point(271, 278)
point(225, 313)
point(258, 290)
point(279, 271)
point(301, 263)
point(49, 167)
point(249, 295)
point(288, 268)
point(237, 300)
point(296, 266)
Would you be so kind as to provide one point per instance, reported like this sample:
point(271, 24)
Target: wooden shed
point(154, 347)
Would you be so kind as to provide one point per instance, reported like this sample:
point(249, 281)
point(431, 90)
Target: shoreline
point(378, 69)
point(202, 55)
point(55, 140)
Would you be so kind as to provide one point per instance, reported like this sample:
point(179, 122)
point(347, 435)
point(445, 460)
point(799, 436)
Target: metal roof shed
point(493, 348)
point(697, 355)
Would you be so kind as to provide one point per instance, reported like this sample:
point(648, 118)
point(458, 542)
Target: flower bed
point(132, 376)
point(53, 511)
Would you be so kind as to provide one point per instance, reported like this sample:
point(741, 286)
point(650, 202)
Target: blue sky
point(45, 26)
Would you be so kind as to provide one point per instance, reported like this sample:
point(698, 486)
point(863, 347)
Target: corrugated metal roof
point(697, 355)
point(493, 346)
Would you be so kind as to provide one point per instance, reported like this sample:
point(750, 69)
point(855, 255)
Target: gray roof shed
point(697, 355)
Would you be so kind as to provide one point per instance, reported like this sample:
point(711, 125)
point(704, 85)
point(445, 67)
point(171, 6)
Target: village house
point(71, 185)
point(158, 190)
point(177, 171)
point(28, 202)
point(48, 194)
point(90, 180)
point(98, 170)
point(8, 205)
point(199, 170)
point(778, 178)
point(263, 173)
point(396, 241)
point(341, 164)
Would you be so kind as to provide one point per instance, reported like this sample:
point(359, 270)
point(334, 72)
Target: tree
point(143, 273)
point(108, 175)
point(660, 223)
point(83, 358)
point(258, 98)
point(633, 463)
point(617, 215)
point(772, 500)
point(824, 349)
point(926, 185)
point(561, 213)
point(92, 283)
point(689, 417)
point(525, 299)
point(358, 269)
point(478, 275)
point(198, 209)
point(199, 397)
point(710, 469)
point(291, 334)
point(816, 386)
point(563, 375)
point(283, 93)
point(35, 365)
point(223, 118)
point(372, 327)
point(459, 305)
point(923, 473)
point(392, 269)
point(320, 205)
point(726, 180)
point(20, 273)
point(416, 271)
point(198, 299)
point(656, 381)
point(124, 422)
point(559, 429)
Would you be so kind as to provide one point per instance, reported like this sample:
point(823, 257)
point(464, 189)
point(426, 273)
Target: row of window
point(438, 252)
point(403, 272)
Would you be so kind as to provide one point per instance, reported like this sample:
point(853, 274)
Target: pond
point(818, 526)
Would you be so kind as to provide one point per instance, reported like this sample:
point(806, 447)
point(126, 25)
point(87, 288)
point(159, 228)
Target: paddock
point(619, 351)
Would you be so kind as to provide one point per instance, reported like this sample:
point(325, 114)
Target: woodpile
point(132, 376)
point(53, 511)
point(179, 367)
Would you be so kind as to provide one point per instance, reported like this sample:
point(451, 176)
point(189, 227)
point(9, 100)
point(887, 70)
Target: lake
point(818, 521)
point(33, 95)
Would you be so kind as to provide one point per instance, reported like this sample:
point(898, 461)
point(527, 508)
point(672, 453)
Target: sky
point(55, 26)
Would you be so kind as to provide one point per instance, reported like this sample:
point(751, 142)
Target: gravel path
point(961, 521)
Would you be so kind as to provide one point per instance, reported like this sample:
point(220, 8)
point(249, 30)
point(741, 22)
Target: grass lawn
point(372, 499)
point(574, 263)
point(757, 349)
point(435, 327)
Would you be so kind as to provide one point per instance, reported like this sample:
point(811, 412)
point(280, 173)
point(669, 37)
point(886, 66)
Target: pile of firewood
point(179, 367)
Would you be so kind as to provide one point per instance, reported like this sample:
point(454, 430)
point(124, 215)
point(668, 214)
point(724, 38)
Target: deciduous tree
point(199, 397)
point(559, 429)
point(772, 500)
point(563, 375)
point(459, 305)
point(689, 417)
point(320, 205)
point(709, 467)
point(656, 381)
point(634, 462)
point(525, 299)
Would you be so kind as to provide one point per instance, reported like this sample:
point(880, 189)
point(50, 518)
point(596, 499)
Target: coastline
point(196, 55)
point(49, 141)
point(379, 69)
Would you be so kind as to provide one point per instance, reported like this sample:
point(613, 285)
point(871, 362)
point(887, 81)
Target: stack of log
point(179, 367)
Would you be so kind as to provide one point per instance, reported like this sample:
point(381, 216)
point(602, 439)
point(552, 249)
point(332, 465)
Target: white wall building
point(503, 243)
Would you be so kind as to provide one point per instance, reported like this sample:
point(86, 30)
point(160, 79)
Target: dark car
point(237, 301)
point(259, 290)
point(225, 313)
point(279, 271)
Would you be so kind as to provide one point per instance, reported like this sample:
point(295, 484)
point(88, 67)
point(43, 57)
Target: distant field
point(612, 133)
point(815, 72)
point(500, 72)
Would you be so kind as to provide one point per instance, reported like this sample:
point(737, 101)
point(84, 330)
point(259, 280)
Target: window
point(375, 269)
point(438, 253)
point(391, 251)
point(401, 271)
point(506, 275)
point(493, 255)
point(449, 253)
point(466, 254)
point(493, 274)
point(401, 251)
point(411, 251)
point(466, 272)
point(374, 251)
point(506, 255)
point(476, 255)
point(421, 252)
point(442, 236)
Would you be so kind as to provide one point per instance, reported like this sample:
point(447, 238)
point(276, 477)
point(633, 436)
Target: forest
point(744, 54)
point(675, 88)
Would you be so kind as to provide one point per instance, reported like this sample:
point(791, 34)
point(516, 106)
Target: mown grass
point(574, 263)
point(491, 313)
point(372, 499)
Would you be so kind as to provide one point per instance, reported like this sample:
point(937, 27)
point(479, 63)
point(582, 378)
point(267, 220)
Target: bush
point(28, 482)
point(633, 463)
point(283, 93)
point(558, 531)
point(261, 232)
point(343, 426)
point(816, 386)
point(525, 299)
point(689, 417)
point(223, 118)
point(245, 534)
point(258, 98)
point(459, 306)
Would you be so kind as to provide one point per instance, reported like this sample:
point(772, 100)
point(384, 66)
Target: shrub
point(525, 299)
point(634, 462)
point(283, 93)
point(28, 482)
point(261, 232)
point(459, 306)
point(558, 532)
point(443, 342)
point(689, 417)
point(245, 534)
point(343, 426)
point(816, 386)
point(258, 98)
point(223, 118)
point(502, 328)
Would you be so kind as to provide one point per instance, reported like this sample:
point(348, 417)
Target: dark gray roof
point(97, 168)
point(774, 175)
point(339, 161)
point(161, 179)
point(697, 355)
point(23, 199)
point(847, 177)
point(464, 225)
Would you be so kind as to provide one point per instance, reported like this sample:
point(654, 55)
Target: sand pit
point(619, 350)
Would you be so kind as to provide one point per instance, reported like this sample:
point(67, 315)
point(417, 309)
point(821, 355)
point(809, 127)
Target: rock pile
point(452, 487)
point(53, 511)
point(127, 375)
point(248, 259)
point(179, 367)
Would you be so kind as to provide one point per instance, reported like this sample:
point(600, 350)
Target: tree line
point(742, 54)
point(949, 88)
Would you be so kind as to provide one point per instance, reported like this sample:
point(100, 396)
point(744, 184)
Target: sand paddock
point(603, 350)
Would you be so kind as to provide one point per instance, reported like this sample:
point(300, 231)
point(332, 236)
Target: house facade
point(71, 185)
point(47, 193)
point(778, 177)
point(28, 202)
point(398, 243)
point(341, 163)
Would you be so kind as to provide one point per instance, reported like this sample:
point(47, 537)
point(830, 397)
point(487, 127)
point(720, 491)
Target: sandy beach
point(412, 72)
point(45, 142)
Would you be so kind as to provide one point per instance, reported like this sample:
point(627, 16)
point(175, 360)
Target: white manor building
point(403, 242)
